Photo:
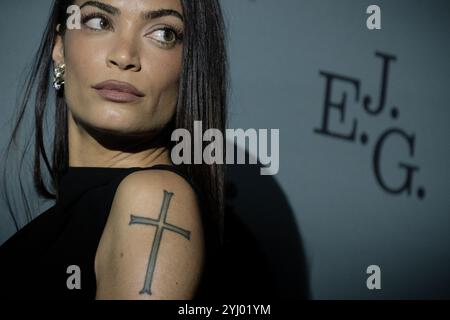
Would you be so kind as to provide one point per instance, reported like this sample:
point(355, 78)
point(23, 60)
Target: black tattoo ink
point(160, 225)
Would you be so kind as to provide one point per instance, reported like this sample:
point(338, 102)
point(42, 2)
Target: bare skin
point(117, 43)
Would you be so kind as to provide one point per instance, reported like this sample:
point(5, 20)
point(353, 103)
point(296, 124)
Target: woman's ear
point(58, 49)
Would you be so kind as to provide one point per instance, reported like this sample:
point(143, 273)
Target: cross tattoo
point(161, 225)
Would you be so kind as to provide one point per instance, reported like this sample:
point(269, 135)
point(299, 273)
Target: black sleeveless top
point(34, 262)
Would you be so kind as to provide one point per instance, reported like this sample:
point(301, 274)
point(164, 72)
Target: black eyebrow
point(154, 14)
point(103, 6)
point(162, 13)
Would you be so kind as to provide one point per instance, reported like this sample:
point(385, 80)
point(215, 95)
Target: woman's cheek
point(82, 59)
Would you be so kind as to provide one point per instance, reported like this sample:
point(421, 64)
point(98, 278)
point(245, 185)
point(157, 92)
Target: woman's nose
point(124, 54)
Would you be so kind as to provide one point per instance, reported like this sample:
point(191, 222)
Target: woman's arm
point(152, 246)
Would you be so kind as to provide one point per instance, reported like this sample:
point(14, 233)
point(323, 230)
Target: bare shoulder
point(145, 181)
point(152, 246)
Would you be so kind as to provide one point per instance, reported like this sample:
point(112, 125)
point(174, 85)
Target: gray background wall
point(346, 219)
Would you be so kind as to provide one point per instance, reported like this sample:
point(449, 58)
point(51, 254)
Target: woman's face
point(123, 44)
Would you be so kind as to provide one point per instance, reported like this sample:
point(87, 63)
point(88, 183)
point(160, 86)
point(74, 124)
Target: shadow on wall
point(264, 255)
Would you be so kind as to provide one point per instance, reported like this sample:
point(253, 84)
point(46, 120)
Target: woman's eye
point(165, 36)
point(97, 23)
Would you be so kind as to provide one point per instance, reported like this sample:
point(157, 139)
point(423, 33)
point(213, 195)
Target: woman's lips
point(117, 96)
point(117, 91)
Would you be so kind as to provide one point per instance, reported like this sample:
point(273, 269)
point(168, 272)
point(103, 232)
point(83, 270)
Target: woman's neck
point(91, 149)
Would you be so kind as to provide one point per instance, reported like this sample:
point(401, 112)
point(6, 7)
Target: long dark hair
point(202, 97)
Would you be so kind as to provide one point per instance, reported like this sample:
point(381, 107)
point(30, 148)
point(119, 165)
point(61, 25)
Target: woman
point(127, 223)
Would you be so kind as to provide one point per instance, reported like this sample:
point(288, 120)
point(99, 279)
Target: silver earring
point(58, 79)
